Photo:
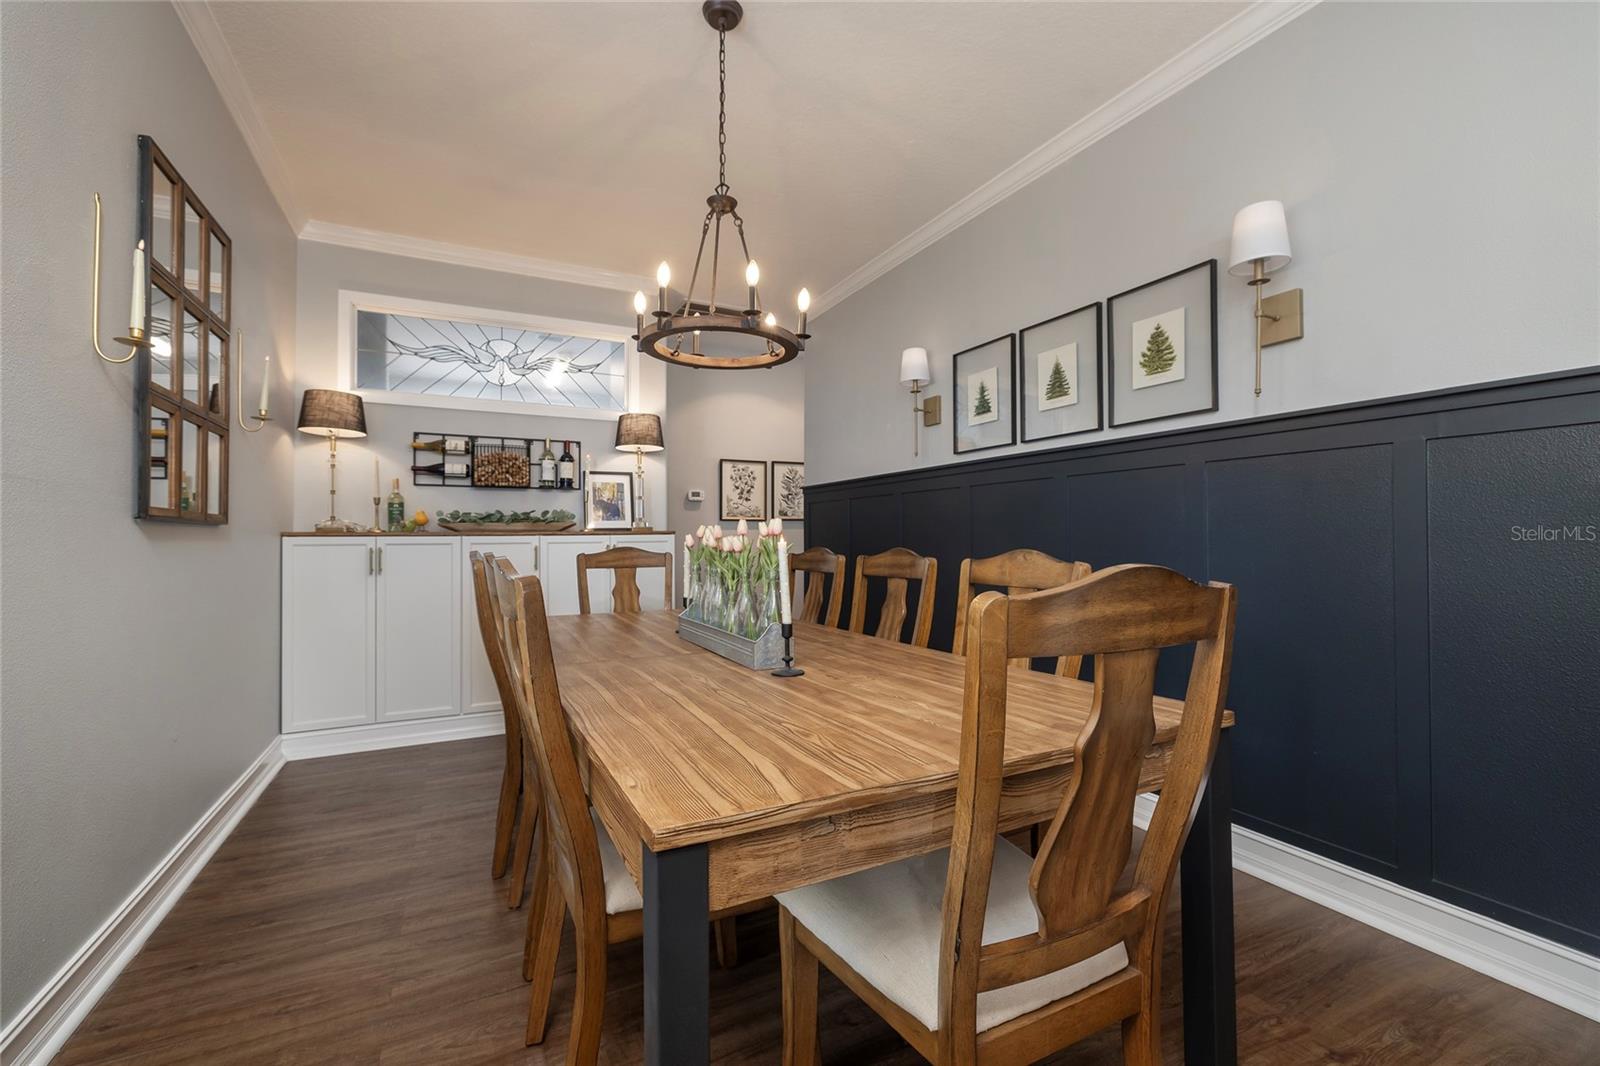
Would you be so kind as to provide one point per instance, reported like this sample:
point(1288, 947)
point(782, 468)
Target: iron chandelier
point(706, 333)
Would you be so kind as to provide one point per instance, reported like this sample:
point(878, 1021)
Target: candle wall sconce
point(135, 337)
point(262, 417)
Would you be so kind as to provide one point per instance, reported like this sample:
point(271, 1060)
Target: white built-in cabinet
point(385, 629)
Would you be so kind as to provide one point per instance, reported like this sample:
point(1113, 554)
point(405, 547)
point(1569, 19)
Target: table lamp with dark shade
point(639, 433)
point(332, 414)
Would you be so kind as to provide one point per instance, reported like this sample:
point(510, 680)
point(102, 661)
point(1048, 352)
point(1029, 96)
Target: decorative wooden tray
point(506, 527)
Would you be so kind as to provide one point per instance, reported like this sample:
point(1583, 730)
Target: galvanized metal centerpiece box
point(737, 593)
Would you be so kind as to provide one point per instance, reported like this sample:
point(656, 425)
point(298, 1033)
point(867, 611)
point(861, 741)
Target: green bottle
point(397, 509)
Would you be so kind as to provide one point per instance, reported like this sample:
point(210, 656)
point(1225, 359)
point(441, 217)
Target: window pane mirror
point(183, 374)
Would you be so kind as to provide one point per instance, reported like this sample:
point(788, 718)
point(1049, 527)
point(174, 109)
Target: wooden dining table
point(721, 785)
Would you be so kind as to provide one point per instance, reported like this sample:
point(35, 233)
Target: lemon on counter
point(421, 518)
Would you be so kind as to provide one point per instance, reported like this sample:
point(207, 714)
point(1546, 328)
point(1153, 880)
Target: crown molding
point(1217, 47)
point(201, 24)
point(371, 240)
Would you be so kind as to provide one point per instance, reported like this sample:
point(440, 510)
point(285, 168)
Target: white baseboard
point(325, 742)
point(39, 1030)
point(1541, 967)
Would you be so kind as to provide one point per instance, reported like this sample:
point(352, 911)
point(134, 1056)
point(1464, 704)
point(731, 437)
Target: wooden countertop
point(452, 533)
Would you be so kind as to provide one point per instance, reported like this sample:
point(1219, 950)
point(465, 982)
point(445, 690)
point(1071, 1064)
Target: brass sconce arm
point(135, 338)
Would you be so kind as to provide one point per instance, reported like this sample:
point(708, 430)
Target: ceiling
point(585, 133)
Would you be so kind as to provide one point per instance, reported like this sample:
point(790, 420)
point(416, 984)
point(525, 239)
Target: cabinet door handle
point(380, 560)
point(370, 568)
point(535, 557)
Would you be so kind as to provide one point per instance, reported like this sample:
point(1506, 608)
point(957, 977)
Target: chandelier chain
point(722, 112)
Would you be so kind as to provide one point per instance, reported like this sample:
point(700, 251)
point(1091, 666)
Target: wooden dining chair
point(582, 873)
point(824, 570)
point(1022, 570)
point(899, 566)
point(513, 835)
point(1023, 956)
point(624, 563)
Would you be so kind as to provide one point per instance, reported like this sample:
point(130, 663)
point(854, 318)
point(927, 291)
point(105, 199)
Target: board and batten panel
point(330, 632)
point(936, 523)
point(1308, 540)
point(1514, 622)
point(1133, 515)
point(874, 527)
point(419, 627)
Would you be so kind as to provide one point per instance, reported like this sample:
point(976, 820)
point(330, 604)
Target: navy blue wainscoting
point(1417, 662)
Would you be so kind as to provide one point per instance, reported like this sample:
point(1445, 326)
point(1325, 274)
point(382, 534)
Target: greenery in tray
point(492, 518)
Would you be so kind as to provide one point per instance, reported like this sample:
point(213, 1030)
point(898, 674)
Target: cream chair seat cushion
point(622, 895)
point(885, 924)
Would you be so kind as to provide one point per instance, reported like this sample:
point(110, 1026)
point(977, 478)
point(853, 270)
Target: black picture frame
point(1209, 265)
point(957, 409)
point(772, 490)
point(1099, 374)
point(760, 497)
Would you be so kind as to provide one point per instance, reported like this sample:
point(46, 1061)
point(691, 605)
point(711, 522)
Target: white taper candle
point(783, 581)
point(136, 308)
point(266, 380)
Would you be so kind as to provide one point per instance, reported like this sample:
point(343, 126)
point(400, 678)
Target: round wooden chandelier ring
point(658, 341)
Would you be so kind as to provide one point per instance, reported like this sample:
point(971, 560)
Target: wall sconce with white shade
point(914, 372)
point(1260, 249)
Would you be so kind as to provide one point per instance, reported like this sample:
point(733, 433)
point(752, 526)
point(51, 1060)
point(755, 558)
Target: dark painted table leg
point(1210, 1031)
point(677, 959)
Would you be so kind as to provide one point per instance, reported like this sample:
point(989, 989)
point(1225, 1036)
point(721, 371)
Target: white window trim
point(351, 301)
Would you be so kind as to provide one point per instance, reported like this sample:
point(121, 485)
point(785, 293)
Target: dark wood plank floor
point(350, 919)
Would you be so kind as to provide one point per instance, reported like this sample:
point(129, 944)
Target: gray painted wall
point(325, 269)
point(141, 660)
point(1439, 166)
point(720, 414)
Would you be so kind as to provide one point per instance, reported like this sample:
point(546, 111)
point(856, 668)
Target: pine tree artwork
point(1159, 355)
point(1057, 387)
point(1159, 343)
point(982, 404)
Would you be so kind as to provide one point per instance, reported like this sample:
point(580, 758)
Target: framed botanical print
point(985, 395)
point(1061, 385)
point(610, 500)
point(1161, 351)
point(743, 490)
point(788, 491)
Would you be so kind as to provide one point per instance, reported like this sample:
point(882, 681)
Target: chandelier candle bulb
point(140, 284)
point(266, 380)
point(663, 279)
point(752, 275)
point(803, 301)
point(639, 306)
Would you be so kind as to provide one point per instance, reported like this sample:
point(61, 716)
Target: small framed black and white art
point(743, 490)
point(788, 491)
point(986, 395)
point(1161, 348)
point(1061, 384)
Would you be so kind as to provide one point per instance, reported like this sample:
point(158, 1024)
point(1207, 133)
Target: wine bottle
point(397, 509)
point(567, 470)
point(453, 445)
point(442, 469)
point(547, 467)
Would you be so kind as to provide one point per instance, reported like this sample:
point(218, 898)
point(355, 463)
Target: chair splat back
point(624, 563)
point(899, 567)
point(1123, 616)
point(824, 571)
point(1022, 570)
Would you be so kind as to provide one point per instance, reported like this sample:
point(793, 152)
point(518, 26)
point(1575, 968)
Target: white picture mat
point(983, 386)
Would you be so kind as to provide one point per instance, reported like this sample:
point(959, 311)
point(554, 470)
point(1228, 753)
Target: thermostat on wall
point(695, 496)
